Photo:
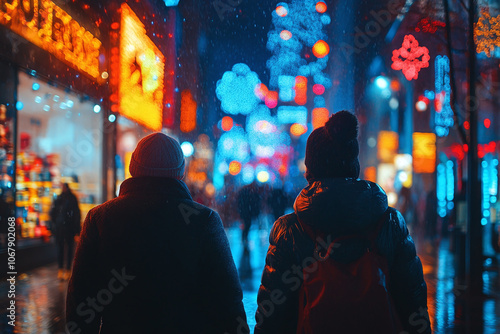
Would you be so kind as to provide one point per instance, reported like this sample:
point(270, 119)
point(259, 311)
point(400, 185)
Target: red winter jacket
point(337, 207)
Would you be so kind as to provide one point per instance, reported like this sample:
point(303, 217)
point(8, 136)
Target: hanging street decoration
point(487, 33)
point(443, 117)
point(410, 58)
point(428, 25)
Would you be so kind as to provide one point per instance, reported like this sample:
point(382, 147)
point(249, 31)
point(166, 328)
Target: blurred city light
point(321, 49)
point(381, 82)
point(187, 149)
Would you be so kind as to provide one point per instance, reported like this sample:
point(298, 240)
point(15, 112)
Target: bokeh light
point(285, 35)
point(227, 123)
point(321, 7)
point(298, 129)
point(321, 49)
point(234, 167)
point(187, 149)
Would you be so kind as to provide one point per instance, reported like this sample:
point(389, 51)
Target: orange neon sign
point(141, 73)
point(49, 27)
point(424, 152)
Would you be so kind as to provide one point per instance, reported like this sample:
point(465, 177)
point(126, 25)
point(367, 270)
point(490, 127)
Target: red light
point(300, 90)
point(227, 123)
point(271, 99)
point(466, 148)
point(115, 25)
point(395, 86)
point(234, 167)
point(487, 123)
point(320, 49)
point(318, 89)
point(321, 7)
point(466, 125)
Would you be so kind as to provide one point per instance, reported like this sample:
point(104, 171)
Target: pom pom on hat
point(332, 150)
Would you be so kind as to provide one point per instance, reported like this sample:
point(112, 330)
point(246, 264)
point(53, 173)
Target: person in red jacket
point(152, 260)
point(334, 204)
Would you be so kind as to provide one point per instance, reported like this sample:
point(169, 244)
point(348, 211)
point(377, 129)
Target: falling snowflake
point(410, 58)
point(487, 33)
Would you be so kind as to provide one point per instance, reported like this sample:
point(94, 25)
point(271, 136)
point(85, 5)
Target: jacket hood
point(341, 205)
point(164, 186)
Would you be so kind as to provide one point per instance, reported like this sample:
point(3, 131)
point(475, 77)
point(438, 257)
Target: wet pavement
point(40, 295)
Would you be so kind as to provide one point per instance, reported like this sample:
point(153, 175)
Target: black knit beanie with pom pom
point(332, 150)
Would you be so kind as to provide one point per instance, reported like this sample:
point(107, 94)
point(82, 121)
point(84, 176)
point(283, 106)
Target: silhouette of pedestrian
point(343, 262)
point(152, 260)
point(66, 218)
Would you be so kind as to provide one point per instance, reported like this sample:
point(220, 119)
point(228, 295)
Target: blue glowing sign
point(443, 117)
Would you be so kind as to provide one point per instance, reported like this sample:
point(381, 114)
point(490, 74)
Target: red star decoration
point(410, 58)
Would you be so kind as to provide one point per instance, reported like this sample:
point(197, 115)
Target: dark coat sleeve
point(223, 293)
point(277, 299)
point(407, 284)
point(83, 285)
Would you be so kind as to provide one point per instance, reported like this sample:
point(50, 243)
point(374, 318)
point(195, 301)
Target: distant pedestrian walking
point(343, 262)
point(66, 219)
point(152, 260)
point(249, 204)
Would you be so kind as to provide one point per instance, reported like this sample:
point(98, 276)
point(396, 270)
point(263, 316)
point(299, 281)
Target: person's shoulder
point(397, 223)
point(282, 228)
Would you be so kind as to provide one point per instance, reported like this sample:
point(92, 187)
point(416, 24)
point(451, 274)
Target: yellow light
point(285, 35)
point(141, 64)
point(263, 176)
point(234, 167)
point(424, 152)
point(55, 31)
point(188, 111)
point(319, 117)
point(388, 143)
point(487, 33)
point(298, 129)
point(321, 49)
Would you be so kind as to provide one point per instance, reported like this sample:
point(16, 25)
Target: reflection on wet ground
point(40, 295)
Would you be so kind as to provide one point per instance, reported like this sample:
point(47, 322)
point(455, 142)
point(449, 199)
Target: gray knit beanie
point(157, 155)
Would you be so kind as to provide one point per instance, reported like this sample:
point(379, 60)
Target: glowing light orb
point(36, 86)
point(281, 11)
point(319, 117)
point(263, 176)
point(487, 123)
point(318, 89)
point(321, 49)
point(261, 91)
point(393, 103)
point(421, 105)
point(234, 167)
point(466, 125)
point(111, 118)
point(285, 35)
point(187, 149)
point(227, 123)
point(382, 82)
point(321, 7)
point(19, 105)
point(97, 108)
point(298, 129)
point(272, 99)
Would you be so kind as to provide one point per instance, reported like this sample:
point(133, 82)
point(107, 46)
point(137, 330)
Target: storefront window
point(59, 141)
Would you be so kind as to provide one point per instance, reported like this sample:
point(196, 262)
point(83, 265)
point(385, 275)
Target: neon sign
point(443, 118)
point(424, 152)
point(49, 27)
point(410, 58)
point(141, 72)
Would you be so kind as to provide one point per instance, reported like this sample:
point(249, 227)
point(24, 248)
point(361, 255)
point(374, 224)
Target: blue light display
point(292, 114)
point(236, 90)
point(443, 117)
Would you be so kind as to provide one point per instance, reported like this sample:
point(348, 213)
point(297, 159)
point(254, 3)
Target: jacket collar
point(155, 185)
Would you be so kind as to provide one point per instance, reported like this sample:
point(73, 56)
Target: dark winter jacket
point(337, 207)
point(153, 261)
point(65, 216)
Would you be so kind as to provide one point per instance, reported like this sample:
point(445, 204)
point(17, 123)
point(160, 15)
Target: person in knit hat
point(152, 260)
point(337, 204)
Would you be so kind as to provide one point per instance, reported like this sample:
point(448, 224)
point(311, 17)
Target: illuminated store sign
point(424, 152)
point(46, 25)
point(138, 94)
